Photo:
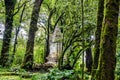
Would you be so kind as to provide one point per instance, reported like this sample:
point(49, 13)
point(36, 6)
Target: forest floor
point(8, 74)
point(13, 78)
point(39, 72)
point(34, 76)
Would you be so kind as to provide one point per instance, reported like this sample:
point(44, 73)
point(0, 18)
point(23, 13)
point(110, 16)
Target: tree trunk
point(9, 12)
point(107, 59)
point(28, 59)
point(47, 43)
point(47, 46)
point(97, 36)
point(89, 59)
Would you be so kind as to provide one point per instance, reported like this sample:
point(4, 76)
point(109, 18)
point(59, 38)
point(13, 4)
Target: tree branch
point(19, 7)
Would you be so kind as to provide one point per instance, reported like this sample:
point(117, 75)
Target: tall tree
point(97, 36)
point(9, 12)
point(107, 59)
point(28, 59)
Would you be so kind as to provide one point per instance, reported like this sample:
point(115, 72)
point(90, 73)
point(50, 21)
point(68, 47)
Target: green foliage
point(10, 78)
point(19, 55)
point(56, 74)
point(117, 71)
point(2, 11)
point(39, 50)
point(4, 69)
point(17, 69)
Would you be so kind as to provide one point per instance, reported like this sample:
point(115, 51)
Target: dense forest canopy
point(60, 39)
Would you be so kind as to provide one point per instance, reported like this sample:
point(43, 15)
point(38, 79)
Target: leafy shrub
point(56, 74)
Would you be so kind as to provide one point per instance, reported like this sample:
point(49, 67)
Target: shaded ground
point(34, 76)
point(9, 74)
point(13, 78)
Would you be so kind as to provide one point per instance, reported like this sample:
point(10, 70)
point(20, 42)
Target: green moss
point(108, 42)
point(97, 35)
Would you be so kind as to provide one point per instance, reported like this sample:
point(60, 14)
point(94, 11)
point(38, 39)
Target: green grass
point(9, 78)
point(13, 78)
point(35, 76)
point(16, 73)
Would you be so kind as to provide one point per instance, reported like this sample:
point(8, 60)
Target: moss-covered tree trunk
point(28, 59)
point(107, 61)
point(9, 12)
point(97, 36)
